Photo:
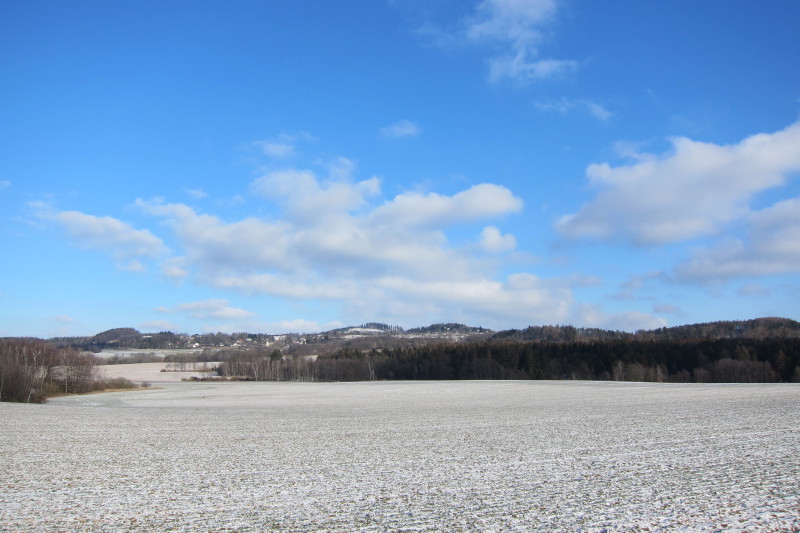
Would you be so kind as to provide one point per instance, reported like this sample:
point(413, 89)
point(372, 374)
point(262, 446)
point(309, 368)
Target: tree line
point(739, 360)
point(31, 370)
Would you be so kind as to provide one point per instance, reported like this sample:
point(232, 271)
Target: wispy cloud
point(197, 193)
point(277, 149)
point(215, 308)
point(283, 146)
point(516, 28)
point(401, 128)
point(667, 309)
point(566, 105)
point(4, 184)
point(752, 289)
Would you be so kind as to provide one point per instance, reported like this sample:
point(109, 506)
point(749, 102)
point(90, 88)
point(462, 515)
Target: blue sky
point(298, 166)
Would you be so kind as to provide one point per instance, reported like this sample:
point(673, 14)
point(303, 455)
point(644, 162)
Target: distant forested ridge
point(763, 350)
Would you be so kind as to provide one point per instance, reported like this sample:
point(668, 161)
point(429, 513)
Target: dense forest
point(762, 350)
point(720, 360)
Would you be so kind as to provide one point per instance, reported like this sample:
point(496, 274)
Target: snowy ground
point(149, 372)
point(446, 456)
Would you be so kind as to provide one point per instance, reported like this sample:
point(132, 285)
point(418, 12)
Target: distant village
point(368, 336)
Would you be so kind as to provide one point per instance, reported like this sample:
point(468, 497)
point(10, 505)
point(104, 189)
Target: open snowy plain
point(413, 456)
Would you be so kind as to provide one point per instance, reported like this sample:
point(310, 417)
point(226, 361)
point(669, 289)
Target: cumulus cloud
point(520, 296)
point(494, 241)
point(695, 190)
point(517, 28)
point(307, 200)
point(420, 210)
point(126, 244)
point(211, 243)
point(772, 246)
point(109, 233)
point(204, 309)
point(401, 128)
point(333, 240)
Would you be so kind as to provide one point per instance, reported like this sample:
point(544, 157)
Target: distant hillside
point(760, 328)
point(448, 328)
point(760, 350)
point(373, 335)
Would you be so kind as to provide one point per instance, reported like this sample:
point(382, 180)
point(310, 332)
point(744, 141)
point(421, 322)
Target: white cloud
point(696, 190)
point(494, 241)
point(211, 244)
point(123, 242)
point(565, 105)
point(283, 287)
point(205, 309)
point(772, 247)
point(418, 210)
point(333, 241)
point(109, 233)
point(521, 298)
point(517, 27)
point(401, 128)
point(307, 200)
point(64, 319)
point(4, 184)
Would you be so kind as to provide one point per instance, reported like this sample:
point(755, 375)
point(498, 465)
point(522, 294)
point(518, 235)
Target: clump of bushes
point(32, 370)
point(113, 383)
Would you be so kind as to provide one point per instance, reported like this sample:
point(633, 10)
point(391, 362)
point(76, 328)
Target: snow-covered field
point(444, 456)
point(149, 372)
